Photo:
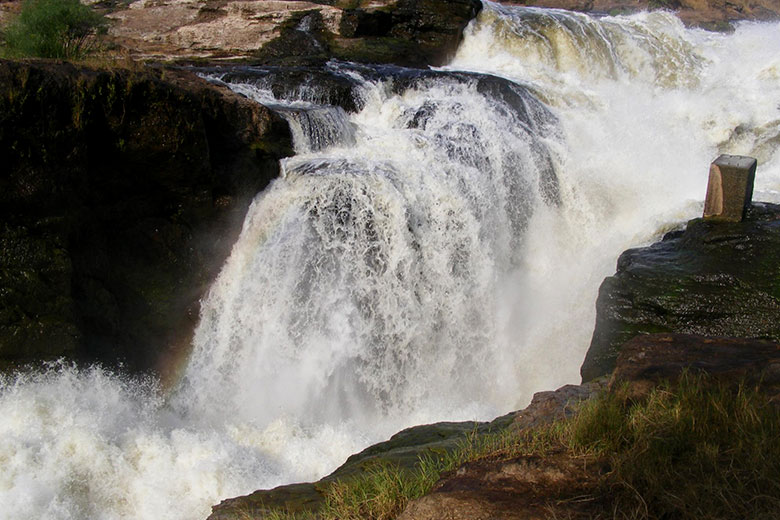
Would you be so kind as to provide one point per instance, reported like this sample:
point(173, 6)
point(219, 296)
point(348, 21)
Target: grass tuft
point(698, 449)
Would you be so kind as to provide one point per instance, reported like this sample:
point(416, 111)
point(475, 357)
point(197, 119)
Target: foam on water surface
point(413, 263)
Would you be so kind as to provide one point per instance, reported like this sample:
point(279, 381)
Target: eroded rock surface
point(121, 194)
point(522, 488)
point(295, 32)
point(712, 279)
point(646, 360)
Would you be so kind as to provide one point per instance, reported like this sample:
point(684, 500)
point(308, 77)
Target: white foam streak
point(644, 105)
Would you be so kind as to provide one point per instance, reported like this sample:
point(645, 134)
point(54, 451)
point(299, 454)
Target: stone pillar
point(730, 188)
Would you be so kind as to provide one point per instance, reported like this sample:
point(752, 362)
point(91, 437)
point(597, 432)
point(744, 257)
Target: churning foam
point(407, 267)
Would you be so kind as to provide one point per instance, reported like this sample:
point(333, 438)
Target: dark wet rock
point(317, 85)
point(649, 359)
point(712, 279)
point(121, 194)
point(413, 33)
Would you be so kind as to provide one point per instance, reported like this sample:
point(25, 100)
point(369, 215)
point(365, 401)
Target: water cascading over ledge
point(335, 284)
point(432, 270)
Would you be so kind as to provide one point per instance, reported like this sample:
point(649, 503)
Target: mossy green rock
point(121, 193)
point(403, 450)
point(712, 279)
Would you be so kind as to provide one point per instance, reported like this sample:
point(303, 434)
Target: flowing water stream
point(433, 252)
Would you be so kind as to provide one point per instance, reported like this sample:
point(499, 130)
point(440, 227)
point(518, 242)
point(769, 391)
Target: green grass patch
point(697, 450)
point(63, 29)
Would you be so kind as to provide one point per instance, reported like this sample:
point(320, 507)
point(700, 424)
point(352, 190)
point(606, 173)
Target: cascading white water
point(364, 282)
point(413, 264)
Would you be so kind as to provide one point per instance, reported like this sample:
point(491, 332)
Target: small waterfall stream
point(432, 252)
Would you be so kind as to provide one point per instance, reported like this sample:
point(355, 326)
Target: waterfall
point(432, 252)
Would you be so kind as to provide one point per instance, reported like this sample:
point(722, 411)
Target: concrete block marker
point(730, 188)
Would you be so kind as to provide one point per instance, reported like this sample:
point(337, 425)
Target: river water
point(433, 255)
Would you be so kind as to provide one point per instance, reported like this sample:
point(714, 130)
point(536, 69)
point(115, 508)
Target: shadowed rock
point(121, 194)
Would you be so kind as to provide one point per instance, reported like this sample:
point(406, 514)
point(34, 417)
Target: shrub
point(64, 29)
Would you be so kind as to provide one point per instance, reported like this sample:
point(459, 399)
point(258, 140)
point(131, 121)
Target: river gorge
point(431, 252)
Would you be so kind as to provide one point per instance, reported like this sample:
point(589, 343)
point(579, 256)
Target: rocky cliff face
point(712, 279)
point(120, 195)
point(403, 32)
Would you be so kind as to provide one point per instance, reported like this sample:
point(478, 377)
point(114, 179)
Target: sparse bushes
point(63, 29)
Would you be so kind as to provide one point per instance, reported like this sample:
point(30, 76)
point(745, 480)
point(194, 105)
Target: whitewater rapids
point(413, 264)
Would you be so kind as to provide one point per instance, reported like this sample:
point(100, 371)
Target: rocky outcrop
point(562, 484)
point(709, 14)
point(712, 279)
point(121, 194)
point(528, 487)
point(403, 450)
point(404, 32)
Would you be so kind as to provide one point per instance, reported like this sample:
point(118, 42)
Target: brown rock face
point(547, 407)
point(121, 194)
point(403, 32)
point(648, 359)
point(207, 29)
point(523, 488)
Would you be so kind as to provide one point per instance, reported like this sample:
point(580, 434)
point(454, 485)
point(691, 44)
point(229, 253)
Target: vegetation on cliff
point(698, 448)
point(63, 29)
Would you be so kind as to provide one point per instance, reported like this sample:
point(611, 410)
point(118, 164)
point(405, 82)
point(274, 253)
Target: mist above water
point(434, 256)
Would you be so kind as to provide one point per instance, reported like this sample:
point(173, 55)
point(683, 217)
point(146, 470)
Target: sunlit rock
point(730, 187)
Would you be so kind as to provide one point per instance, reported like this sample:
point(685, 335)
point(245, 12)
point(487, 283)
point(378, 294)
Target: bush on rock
point(63, 29)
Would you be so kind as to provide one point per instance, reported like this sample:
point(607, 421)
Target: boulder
point(712, 278)
point(121, 194)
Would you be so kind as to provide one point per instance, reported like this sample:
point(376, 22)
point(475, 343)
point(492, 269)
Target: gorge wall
point(121, 194)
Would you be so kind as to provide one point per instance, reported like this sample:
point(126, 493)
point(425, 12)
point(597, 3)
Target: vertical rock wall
point(120, 196)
